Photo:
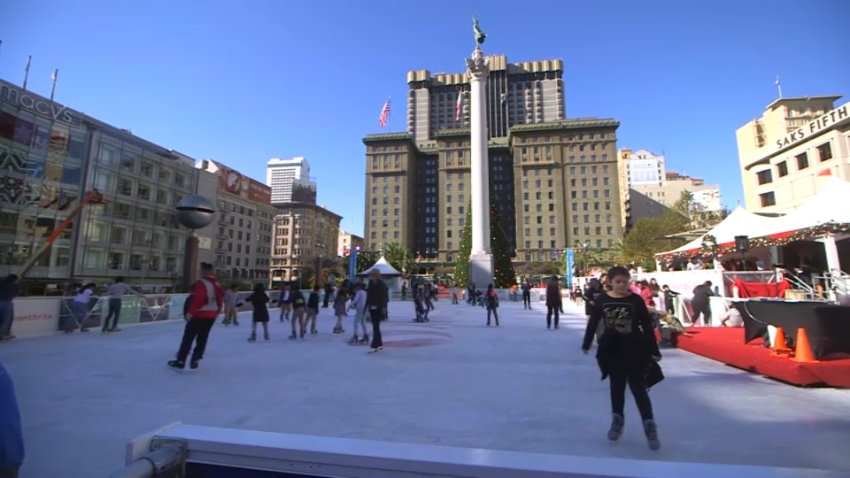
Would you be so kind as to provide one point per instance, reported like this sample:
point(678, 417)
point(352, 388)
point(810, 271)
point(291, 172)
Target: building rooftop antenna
point(778, 86)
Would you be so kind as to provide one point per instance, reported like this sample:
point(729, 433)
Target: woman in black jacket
point(259, 300)
point(377, 298)
point(627, 351)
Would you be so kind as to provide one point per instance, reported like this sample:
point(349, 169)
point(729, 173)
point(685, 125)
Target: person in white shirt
point(117, 291)
point(732, 318)
point(358, 305)
point(80, 304)
point(231, 302)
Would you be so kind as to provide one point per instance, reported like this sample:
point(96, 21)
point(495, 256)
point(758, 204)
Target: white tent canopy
point(383, 267)
point(829, 205)
point(739, 223)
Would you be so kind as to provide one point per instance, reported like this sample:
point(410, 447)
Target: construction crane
point(92, 197)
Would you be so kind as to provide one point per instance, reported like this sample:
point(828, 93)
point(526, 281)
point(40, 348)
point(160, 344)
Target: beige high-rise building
point(791, 149)
point(302, 232)
point(348, 241)
point(553, 181)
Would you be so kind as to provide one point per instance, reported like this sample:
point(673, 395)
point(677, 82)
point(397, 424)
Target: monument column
point(480, 260)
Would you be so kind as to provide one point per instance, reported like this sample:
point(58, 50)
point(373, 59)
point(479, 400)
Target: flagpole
point(27, 72)
point(54, 77)
point(779, 86)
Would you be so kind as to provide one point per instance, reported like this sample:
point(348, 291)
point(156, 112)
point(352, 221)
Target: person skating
point(339, 305)
point(80, 302)
point(117, 291)
point(626, 351)
point(553, 302)
point(204, 305)
point(312, 312)
point(491, 299)
point(526, 294)
point(358, 305)
point(231, 302)
point(299, 314)
point(284, 298)
point(260, 314)
point(9, 289)
point(377, 298)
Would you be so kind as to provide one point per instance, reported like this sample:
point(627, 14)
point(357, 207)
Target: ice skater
point(231, 303)
point(299, 314)
point(358, 305)
point(202, 308)
point(626, 352)
point(259, 299)
point(339, 305)
point(491, 300)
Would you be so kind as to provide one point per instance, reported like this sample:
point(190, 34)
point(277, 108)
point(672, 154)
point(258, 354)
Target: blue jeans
point(360, 319)
point(80, 313)
point(114, 313)
point(7, 315)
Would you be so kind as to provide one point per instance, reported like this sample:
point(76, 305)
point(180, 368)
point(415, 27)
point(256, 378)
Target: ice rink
point(451, 382)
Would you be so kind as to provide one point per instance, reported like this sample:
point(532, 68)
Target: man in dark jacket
point(526, 294)
point(701, 303)
point(11, 436)
point(553, 301)
point(377, 298)
point(205, 302)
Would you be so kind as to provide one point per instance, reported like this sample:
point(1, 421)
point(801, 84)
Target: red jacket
point(199, 300)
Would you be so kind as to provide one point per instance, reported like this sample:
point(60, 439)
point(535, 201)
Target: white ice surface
point(518, 387)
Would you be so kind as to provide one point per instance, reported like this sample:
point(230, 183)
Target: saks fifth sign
point(826, 120)
point(42, 107)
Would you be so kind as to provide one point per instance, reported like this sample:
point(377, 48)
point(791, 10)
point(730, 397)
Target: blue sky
point(241, 82)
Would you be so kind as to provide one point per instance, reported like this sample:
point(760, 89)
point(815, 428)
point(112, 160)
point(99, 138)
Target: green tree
point(503, 268)
point(647, 237)
point(398, 256)
point(462, 264)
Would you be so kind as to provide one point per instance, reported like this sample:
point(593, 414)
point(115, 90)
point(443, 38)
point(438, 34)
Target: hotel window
point(825, 152)
point(782, 169)
point(764, 177)
point(767, 199)
point(802, 161)
point(125, 187)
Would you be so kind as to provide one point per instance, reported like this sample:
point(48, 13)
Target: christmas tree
point(462, 265)
point(503, 269)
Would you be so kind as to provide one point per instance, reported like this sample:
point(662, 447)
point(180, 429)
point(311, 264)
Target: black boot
point(178, 364)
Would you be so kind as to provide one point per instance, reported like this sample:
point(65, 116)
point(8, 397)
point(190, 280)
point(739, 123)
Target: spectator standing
point(702, 304)
point(9, 289)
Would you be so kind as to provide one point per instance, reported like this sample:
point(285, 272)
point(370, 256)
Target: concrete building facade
point(553, 181)
point(301, 233)
point(791, 149)
point(243, 230)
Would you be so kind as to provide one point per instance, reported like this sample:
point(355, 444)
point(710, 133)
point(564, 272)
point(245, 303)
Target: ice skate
point(616, 430)
point(266, 336)
point(293, 337)
point(252, 338)
point(364, 340)
point(354, 341)
point(177, 364)
point(651, 431)
point(194, 364)
point(314, 332)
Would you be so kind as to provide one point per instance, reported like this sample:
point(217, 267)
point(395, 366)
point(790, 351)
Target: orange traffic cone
point(804, 350)
point(779, 347)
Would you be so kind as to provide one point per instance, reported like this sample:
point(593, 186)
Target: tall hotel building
point(553, 180)
point(787, 153)
point(290, 181)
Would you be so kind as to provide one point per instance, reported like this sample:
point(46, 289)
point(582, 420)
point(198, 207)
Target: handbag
point(654, 375)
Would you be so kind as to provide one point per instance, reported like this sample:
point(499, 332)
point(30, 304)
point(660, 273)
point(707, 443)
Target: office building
point(348, 241)
point(787, 153)
point(243, 226)
point(302, 232)
point(553, 180)
point(290, 181)
point(50, 156)
point(638, 168)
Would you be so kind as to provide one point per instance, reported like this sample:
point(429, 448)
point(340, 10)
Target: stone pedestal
point(481, 270)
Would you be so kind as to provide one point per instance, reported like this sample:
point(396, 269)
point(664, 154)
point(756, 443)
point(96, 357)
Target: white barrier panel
point(36, 316)
point(684, 282)
point(242, 453)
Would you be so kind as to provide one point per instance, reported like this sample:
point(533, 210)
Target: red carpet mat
point(726, 344)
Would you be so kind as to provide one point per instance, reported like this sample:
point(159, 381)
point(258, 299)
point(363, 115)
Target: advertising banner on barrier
point(570, 265)
point(36, 316)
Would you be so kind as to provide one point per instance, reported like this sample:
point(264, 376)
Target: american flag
point(458, 105)
point(384, 119)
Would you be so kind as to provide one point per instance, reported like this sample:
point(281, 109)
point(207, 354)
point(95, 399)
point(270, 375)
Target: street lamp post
point(194, 212)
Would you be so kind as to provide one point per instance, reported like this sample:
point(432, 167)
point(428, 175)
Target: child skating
point(298, 313)
point(491, 300)
point(358, 305)
point(626, 352)
point(339, 305)
point(259, 300)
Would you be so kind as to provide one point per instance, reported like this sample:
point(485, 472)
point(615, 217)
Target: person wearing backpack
point(203, 306)
point(491, 300)
point(298, 313)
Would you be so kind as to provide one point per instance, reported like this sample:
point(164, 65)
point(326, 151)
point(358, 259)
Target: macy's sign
point(36, 104)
